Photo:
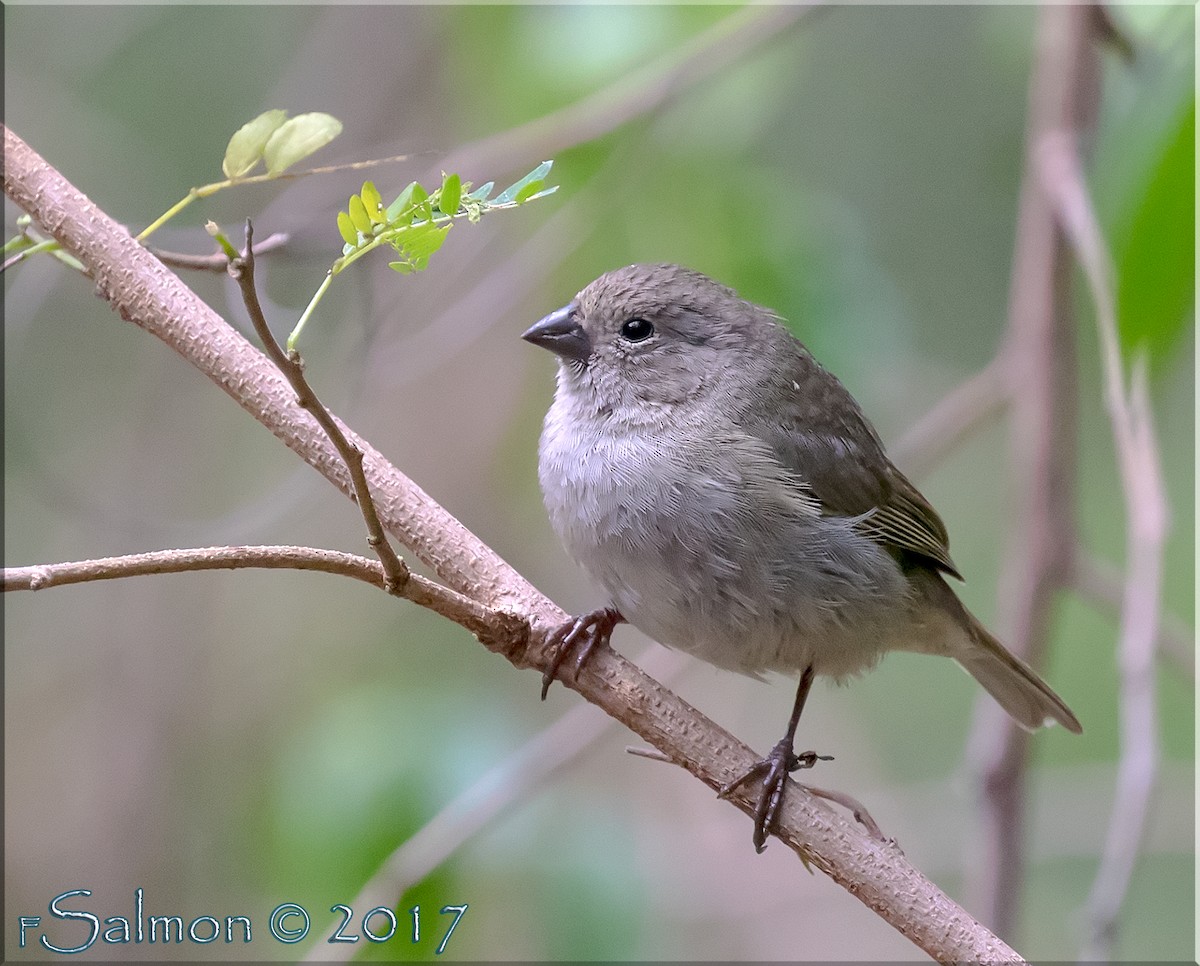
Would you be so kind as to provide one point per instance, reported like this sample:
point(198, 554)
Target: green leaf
point(421, 240)
point(527, 192)
point(372, 202)
point(451, 194)
point(1155, 253)
point(298, 138)
point(402, 267)
point(246, 146)
point(537, 174)
point(417, 244)
point(420, 202)
point(481, 193)
point(358, 215)
point(427, 240)
point(347, 230)
point(402, 202)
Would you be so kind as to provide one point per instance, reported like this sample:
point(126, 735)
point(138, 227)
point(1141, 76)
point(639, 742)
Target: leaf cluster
point(278, 141)
point(416, 222)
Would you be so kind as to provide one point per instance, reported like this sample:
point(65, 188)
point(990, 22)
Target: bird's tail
point(1014, 684)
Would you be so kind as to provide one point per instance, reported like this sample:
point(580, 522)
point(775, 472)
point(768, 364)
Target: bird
point(731, 499)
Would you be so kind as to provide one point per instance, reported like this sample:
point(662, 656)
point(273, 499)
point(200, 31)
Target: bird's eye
point(637, 330)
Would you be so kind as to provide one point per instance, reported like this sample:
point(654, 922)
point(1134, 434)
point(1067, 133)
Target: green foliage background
point(232, 741)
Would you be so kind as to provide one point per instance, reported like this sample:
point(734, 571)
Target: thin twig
point(1146, 525)
point(292, 367)
point(45, 576)
point(39, 246)
point(216, 262)
point(652, 753)
point(207, 190)
point(482, 621)
point(16, 259)
point(856, 808)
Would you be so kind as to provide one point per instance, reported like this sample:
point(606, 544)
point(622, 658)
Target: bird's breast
point(706, 544)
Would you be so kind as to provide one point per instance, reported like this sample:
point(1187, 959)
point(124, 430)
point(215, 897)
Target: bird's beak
point(561, 334)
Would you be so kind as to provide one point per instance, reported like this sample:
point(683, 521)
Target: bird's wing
point(822, 437)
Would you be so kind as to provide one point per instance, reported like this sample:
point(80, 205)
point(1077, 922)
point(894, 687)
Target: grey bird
point(733, 502)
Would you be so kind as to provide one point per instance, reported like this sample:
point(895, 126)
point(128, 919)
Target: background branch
point(636, 94)
point(516, 778)
point(1041, 348)
point(960, 412)
point(1146, 516)
point(1102, 583)
point(145, 292)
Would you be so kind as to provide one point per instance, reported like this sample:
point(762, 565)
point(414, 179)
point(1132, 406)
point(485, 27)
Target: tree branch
point(482, 621)
point(1146, 526)
point(530, 767)
point(1041, 348)
point(216, 261)
point(146, 293)
point(45, 576)
point(1102, 583)
point(292, 366)
point(635, 94)
point(955, 415)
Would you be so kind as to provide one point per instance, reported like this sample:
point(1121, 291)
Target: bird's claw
point(588, 631)
point(774, 771)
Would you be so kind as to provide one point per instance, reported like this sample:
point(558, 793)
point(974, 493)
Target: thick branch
point(145, 292)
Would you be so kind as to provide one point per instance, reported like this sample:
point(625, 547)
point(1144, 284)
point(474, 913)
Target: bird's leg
point(781, 761)
point(588, 631)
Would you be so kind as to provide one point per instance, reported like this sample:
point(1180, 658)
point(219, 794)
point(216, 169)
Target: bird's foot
point(774, 771)
point(582, 634)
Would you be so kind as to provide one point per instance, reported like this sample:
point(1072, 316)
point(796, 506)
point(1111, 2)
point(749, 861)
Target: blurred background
point(231, 741)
